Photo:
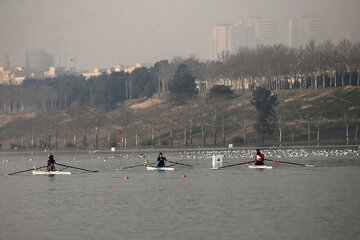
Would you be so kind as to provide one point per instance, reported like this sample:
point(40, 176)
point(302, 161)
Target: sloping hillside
point(152, 122)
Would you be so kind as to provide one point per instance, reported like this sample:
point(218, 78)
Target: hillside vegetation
point(312, 116)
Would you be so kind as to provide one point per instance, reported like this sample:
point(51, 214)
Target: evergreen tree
point(108, 90)
point(183, 85)
point(264, 103)
point(221, 91)
point(143, 83)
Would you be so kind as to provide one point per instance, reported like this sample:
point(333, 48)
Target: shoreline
point(147, 150)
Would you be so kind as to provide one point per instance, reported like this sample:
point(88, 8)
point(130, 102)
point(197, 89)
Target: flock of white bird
point(245, 154)
point(271, 153)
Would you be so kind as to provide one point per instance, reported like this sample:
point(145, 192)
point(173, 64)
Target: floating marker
point(217, 161)
point(183, 176)
point(126, 177)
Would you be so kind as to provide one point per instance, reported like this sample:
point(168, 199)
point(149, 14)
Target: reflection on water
point(286, 202)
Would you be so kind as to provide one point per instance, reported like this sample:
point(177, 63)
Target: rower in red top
point(51, 163)
point(259, 158)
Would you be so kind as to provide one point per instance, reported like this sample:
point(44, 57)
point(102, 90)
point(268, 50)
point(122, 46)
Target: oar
point(181, 163)
point(134, 166)
point(63, 168)
point(146, 163)
point(298, 164)
point(75, 167)
point(170, 165)
point(31, 169)
point(184, 164)
point(236, 164)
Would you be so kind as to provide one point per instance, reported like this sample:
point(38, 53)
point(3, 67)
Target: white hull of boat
point(159, 169)
point(50, 173)
point(260, 166)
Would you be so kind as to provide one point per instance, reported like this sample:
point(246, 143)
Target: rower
point(51, 163)
point(161, 160)
point(259, 158)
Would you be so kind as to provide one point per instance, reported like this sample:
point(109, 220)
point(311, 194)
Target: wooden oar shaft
point(236, 164)
point(25, 170)
point(286, 162)
point(76, 167)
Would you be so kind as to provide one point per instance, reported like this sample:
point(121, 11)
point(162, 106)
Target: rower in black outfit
point(161, 160)
point(51, 163)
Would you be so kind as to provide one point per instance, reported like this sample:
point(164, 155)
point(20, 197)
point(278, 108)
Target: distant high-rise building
point(305, 29)
point(7, 61)
point(220, 40)
point(228, 38)
point(265, 29)
point(242, 35)
point(353, 36)
point(27, 60)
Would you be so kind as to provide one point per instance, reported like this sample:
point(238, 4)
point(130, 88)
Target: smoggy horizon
point(110, 32)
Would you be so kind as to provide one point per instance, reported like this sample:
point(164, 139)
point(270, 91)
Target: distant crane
point(74, 59)
point(71, 59)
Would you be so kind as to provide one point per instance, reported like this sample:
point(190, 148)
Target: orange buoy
point(126, 177)
point(183, 176)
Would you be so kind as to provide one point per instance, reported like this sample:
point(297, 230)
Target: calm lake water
point(286, 202)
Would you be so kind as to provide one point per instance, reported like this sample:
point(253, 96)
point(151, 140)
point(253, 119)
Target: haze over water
point(286, 202)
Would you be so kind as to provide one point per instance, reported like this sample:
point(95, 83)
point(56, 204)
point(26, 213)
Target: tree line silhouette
point(276, 67)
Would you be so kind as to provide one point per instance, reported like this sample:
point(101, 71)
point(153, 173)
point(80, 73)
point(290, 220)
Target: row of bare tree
point(275, 67)
point(279, 67)
point(205, 122)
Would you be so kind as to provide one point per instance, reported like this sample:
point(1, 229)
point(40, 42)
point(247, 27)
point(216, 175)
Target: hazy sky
point(104, 33)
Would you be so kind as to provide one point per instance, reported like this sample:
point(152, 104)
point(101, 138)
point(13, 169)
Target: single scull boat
point(50, 173)
point(260, 166)
point(159, 169)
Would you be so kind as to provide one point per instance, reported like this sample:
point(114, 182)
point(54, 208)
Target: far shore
point(166, 149)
